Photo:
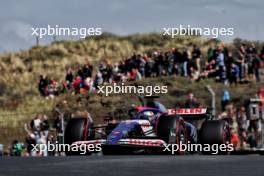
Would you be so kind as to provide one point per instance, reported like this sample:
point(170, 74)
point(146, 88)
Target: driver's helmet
point(148, 115)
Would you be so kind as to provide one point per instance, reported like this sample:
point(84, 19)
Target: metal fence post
point(209, 88)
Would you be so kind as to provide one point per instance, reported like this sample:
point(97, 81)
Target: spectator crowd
point(37, 133)
point(245, 131)
point(219, 64)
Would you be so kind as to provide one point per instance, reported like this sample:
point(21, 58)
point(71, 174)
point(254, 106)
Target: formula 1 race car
point(149, 129)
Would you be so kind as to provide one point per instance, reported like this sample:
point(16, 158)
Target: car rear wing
point(192, 113)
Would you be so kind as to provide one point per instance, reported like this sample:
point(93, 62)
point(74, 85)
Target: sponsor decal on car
point(146, 142)
point(187, 111)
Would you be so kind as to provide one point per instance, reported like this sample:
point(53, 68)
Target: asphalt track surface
point(246, 165)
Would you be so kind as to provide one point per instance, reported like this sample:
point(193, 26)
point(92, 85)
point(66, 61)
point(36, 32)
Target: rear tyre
point(77, 129)
point(215, 132)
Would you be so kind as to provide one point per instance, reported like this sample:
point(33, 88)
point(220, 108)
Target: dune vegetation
point(20, 100)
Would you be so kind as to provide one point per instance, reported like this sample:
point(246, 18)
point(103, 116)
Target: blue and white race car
point(149, 129)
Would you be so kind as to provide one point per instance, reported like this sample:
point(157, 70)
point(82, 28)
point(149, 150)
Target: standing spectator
point(102, 67)
point(43, 85)
point(43, 141)
point(134, 75)
point(98, 80)
point(87, 70)
point(222, 74)
point(254, 132)
point(80, 71)
point(122, 67)
point(142, 65)
point(186, 57)
point(194, 74)
point(29, 145)
point(17, 148)
point(159, 61)
point(256, 64)
point(191, 101)
point(228, 64)
point(243, 124)
point(32, 137)
point(234, 74)
point(211, 53)
point(109, 75)
point(251, 53)
point(178, 61)
point(58, 125)
point(69, 78)
point(116, 69)
point(225, 99)
point(196, 54)
point(171, 67)
point(53, 88)
point(225, 51)
point(35, 123)
point(220, 58)
point(88, 84)
point(52, 140)
point(44, 126)
point(77, 83)
point(106, 69)
point(221, 69)
point(149, 67)
point(232, 120)
point(241, 62)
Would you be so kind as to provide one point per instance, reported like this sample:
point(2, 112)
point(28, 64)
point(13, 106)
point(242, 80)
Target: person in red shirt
point(77, 84)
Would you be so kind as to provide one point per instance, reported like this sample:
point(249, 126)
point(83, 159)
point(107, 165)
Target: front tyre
point(172, 130)
point(77, 129)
